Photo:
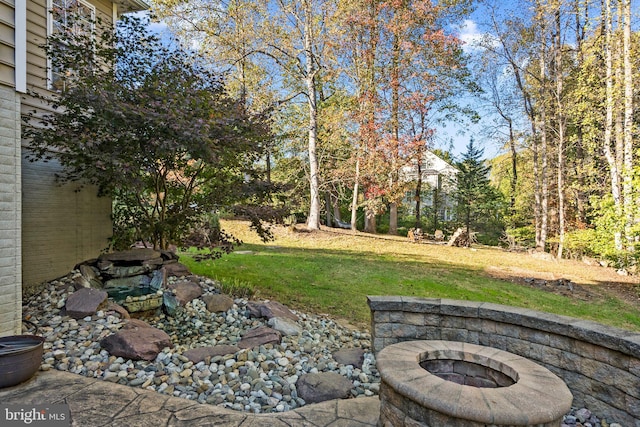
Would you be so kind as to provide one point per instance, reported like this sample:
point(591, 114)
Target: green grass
point(333, 273)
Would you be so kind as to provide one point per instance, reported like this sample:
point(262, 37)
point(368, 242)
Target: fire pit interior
point(476, 374)
point(438, 383)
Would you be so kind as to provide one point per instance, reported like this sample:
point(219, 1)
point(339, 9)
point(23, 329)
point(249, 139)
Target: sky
point(457, 136)
point(453, 136)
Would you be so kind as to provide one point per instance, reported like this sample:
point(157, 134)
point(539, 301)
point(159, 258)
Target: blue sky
point(454, 136)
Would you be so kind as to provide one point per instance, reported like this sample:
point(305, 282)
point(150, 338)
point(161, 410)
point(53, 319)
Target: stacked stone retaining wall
point(600, 364)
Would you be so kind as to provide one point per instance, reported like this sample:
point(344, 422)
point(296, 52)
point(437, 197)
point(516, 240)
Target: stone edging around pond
point(600, 364)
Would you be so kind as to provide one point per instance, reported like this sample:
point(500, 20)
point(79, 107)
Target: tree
point(474, 194)
point(291, 37)
point(152, 128)
point(422, 68)
point(519, 43)
point(500, 101)
point(405, 67)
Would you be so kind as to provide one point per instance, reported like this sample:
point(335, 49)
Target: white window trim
point(21, 46)
point(50, 32)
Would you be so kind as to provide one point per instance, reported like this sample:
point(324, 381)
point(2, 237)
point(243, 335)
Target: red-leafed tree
point(152, 129)
point(404, 64)
point(359, 55)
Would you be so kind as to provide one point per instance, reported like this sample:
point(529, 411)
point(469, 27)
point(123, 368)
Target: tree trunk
point(335, 203)
point(436, 203)
point(395, 125)
point(393, 218)
point(544, 169)
point(313, 220)
point(467, 222)
point(535, 148)
point(354, 200)
point(627, 186)
point(369, 221)
point(327, 202)
point(514, 167)
point(582, 196)
point(418, 194)
point(561, 130)
point(268, 166)
point(609, 125)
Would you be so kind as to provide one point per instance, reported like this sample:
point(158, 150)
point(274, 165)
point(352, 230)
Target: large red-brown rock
point(258, 336)
point(124, 314)
point(270, 309)
point(135, 324)
point(137, 341)
point(84, 302)
point(176, 269)
point(185, 291)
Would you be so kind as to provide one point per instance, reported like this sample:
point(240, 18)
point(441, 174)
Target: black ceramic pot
point(20, 358)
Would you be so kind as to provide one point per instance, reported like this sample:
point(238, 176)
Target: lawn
point(332, 272)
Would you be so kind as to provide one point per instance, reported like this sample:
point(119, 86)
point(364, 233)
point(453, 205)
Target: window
point(67, 16)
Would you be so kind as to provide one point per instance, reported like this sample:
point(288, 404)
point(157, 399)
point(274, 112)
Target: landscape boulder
point(286, 327)
point(185, 291)
point(88, 277)
point(259, 336)
point(315, 388)
point(199, 354)
point(270, 309)
point(84, 302)
point(124, 314)
point(217, 303)
point(137, 341)
point(176, 269)
point(135, 324)
point(350, 356)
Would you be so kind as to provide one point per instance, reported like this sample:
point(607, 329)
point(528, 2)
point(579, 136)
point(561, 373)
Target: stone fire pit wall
point(600, 364)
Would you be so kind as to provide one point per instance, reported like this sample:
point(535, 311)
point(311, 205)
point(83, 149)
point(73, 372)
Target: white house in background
point(438, 180)
point(45, 229)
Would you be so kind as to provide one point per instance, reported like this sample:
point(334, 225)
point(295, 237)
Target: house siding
point(436, 174)
point(10, 196)
point(7, 43)
point(62, 225)
point(10, 213)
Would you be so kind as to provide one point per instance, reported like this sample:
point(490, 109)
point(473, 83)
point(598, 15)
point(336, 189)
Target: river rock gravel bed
point(258, 380)
point(261, 379)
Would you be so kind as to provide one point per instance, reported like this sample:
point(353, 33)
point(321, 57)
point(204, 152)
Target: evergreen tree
point(475, 196)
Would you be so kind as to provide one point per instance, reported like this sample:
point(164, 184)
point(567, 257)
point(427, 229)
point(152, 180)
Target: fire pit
point(438, 383)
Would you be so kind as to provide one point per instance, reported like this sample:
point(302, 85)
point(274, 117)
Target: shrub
point(520, 237)
point(238, 289)
point(579, 243)
point(152, 128)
